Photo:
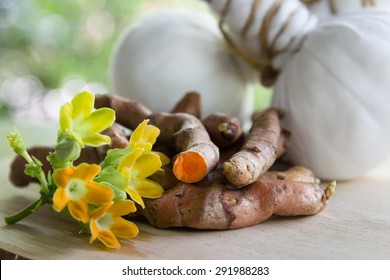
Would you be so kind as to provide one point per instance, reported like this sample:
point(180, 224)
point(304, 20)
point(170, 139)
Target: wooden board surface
point(355, 225)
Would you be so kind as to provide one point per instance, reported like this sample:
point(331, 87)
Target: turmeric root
point(223, 129)
point(198, 155)
point(283, 143)
point(127, 112)
point(189, 104)
point(259, 151)
point(295, 173)
point(210, 205)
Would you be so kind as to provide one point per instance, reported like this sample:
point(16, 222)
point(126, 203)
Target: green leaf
point(16, 142)
point(113, 157)
point(118, 192)
point(66, 151)
point(111, 176)
point(33, 170)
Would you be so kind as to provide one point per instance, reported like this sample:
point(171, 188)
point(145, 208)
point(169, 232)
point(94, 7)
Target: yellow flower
point(80, 122)
point(135, 168)
point(144, 137)
point(106, 223)
point(128, 168)
point(77, 190)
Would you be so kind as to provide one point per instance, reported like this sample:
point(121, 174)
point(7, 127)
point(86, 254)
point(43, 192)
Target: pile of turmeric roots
point(219, 177)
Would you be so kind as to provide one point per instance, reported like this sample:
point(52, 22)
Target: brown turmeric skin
point(295, 173)
point(119, 139)
point(283, 143)
point(190, 104)
point(127, 112)
point(211, 205)
point(258, 152)
point(224, 130)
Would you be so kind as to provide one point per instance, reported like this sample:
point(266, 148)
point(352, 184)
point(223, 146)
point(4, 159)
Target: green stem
point(10, 220)
point(44, 185)
point(27, 157)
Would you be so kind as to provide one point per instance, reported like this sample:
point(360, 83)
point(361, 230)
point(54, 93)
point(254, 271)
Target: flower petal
point(93, 227)
point(124, 229)
point(149, 189)
point(66, 117)
point(163, 158)
point(96, 139)
point(83, 104)
point(151, 133)
point(98, 212)
point(62, 176)
point(108, 238)
point(98, 193)
point(144, 136)
point(100, 119)
point(147, 165)
point(135, 196)
point(79, 210)
point(122, 207)
point(129, 160)
point(60, 199)
point(137, 134)
point(87, 172)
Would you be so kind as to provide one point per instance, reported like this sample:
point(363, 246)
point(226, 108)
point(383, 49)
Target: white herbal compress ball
point(336, 92)
point(325, 9)
point(172, 52)
point(333, 81)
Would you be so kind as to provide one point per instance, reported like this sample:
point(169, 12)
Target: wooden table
point(355, 225)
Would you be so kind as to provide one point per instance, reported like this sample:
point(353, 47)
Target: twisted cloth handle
point(333, 6)
point(264, 33)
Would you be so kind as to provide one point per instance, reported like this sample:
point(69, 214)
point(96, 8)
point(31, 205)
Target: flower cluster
point(98, 196)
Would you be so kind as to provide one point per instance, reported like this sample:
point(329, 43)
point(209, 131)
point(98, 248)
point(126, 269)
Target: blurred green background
point(50, 50)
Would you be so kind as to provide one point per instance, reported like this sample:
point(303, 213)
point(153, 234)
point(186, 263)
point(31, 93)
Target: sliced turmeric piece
point(198, 155)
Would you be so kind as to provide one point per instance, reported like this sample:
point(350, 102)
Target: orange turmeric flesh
point(197, 154)
point(190, 167)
